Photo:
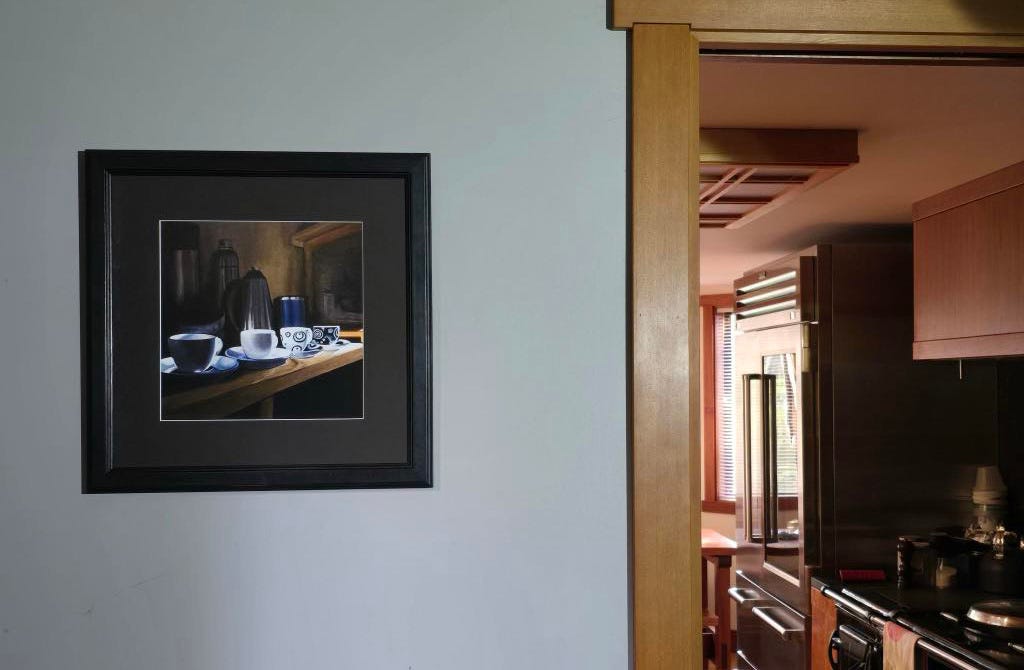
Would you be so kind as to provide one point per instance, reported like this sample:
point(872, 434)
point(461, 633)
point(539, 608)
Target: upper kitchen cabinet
point(969, 269)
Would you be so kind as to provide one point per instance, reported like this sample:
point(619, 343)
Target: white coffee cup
point(258, 342)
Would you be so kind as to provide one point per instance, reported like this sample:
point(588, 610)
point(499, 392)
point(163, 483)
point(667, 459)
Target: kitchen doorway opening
point(918, 127)
point(665, 41)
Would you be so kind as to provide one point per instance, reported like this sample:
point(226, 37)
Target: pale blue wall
point(517, 558)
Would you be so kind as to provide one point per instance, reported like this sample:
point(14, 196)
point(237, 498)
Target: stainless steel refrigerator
point(844, 442)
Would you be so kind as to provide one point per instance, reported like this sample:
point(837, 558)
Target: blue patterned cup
point(326, 336)
point(297, 339)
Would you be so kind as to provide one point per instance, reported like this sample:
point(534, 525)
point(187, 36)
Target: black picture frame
point(102, 451)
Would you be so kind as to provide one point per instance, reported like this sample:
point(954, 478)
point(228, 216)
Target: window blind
point(787, 435)
point(724, 404)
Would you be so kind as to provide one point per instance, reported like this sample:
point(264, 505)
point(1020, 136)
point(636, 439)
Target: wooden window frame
point(709, 308)
point(663, 382)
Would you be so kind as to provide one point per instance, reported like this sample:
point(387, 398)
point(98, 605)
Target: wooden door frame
point(665, 40)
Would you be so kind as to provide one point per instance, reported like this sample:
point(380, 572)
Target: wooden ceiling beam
point(777, 147)
point(742, 200)
point(765, 180)
point(741, 152)
point(718, 184)
point(726, 188)
point(786, 196)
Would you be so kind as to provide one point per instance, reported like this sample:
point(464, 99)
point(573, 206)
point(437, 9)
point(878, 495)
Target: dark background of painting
point(138, 203)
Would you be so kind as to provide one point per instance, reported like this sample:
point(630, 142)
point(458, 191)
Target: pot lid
point(999, 613)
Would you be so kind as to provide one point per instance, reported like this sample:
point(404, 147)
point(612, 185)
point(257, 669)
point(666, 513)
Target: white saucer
point(337, 345)
point(308, 353)
point(276, 358)
point(220, 365)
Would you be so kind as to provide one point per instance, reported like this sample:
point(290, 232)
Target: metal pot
point(1001, 619)
point(247, 302)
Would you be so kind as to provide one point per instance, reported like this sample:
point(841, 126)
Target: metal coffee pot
point(247, 302)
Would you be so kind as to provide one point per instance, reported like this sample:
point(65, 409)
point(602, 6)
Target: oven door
point(776, 459)
point(930, 656)
point(853, 647)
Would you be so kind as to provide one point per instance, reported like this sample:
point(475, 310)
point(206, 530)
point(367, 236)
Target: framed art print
point(255, 320)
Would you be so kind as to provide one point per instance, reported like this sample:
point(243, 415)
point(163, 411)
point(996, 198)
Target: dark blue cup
point(291, 311)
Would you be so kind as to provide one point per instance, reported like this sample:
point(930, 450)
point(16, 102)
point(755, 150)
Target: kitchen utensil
point(258, 342)
point(1002, 619)
point(291, 311)
point(1007, 613)
point(247, 302)
point(185, 276)
point(180, 249)
point(945, 575)
point(223, 271)
point(193, 352)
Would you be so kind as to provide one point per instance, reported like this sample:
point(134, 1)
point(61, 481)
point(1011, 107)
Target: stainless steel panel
point(773, 367)
point(778, 619)
point(744, 597)
point(770, 636)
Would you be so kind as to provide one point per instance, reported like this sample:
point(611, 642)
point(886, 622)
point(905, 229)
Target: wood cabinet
point(823, 623)
point(969, 269)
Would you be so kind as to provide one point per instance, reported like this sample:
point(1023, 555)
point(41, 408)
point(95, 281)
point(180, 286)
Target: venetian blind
point(724, 403)
point(787, 432)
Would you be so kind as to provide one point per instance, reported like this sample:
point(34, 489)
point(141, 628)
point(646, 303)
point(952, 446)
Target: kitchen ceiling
point(924, 128)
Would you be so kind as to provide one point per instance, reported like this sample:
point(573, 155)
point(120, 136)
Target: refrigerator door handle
point(769, 458)
point(748, 487)
point(743, 596)
point(778, 622)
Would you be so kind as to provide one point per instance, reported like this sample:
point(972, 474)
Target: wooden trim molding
point(981, 346)
point(718, 301)
point(709, 404)
point(986, 186)
point(664, 350)
point(718, 506)
point(863, 43)
point(942, 24)
point(709, 305)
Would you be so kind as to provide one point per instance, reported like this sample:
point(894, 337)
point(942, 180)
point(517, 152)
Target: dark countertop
point(919, 599)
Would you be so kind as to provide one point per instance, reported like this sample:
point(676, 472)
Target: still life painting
point(261, 319)
point(254, 320)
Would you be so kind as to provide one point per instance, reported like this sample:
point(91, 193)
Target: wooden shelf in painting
point(746, 173)
point(248, 387)
point(316, 234)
